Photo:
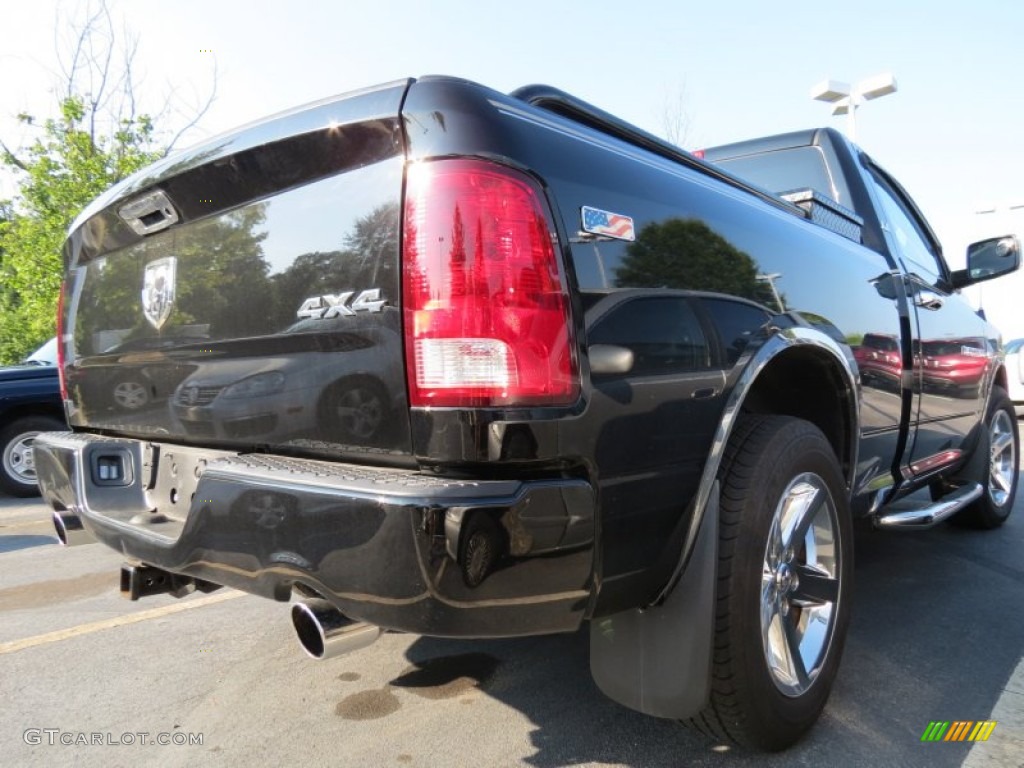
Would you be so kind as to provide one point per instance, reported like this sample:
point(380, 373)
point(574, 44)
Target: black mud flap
point(658, 660)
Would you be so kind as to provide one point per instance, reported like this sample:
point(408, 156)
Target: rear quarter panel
point(644, 438)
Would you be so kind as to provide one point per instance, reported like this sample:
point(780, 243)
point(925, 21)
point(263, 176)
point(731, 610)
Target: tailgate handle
point(150, 213)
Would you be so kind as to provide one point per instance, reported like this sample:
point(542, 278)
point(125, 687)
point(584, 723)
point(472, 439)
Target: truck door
point(951, 359)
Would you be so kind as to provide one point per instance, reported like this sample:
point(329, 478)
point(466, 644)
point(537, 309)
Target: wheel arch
point(659, 659)
point(798, 372)
point(791, 384)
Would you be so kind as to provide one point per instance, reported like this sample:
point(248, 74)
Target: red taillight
point(60, 344)
point(485, 304)
point(698, 153)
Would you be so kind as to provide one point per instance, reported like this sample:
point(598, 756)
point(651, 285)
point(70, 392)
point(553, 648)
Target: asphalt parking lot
point(937, 634)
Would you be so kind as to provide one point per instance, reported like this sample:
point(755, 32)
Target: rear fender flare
point(658, 659)
point(782, 342)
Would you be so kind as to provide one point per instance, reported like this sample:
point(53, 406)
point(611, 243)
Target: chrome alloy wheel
point(1002, 470)
point(800, 588)
point(19, 462)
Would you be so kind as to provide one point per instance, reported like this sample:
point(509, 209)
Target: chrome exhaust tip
point(68, 526)
point(325, 632)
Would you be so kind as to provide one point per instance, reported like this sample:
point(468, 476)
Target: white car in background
point(1015, 373)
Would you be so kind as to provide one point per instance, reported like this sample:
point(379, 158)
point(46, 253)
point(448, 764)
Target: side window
point(663, 333)
point(736, 324)
point(913, 245)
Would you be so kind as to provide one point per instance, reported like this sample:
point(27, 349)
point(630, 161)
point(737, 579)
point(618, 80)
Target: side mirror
point(988, 259)
point(609, 358)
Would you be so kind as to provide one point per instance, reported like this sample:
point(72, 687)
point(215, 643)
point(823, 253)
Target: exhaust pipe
point(325, 632)
point(68, 526)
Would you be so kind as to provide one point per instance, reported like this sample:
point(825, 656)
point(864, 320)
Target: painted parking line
point(118, 621)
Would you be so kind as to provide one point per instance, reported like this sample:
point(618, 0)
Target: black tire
point(760, 588)
point(994, 465)
point(17, 468)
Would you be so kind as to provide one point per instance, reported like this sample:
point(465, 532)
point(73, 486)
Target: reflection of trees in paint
point(688, 254)
point(221, 281)
point(368, 259)
point(222, 274)
point(373, 243)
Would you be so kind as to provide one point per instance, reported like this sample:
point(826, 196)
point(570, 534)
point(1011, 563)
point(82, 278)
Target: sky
point(953, 133)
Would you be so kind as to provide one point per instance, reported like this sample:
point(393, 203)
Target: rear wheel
point(994, 465)
point(784, 579)
point(17, 464)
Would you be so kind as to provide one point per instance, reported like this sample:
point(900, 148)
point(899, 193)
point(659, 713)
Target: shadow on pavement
point(15, 542)
point(936, 633)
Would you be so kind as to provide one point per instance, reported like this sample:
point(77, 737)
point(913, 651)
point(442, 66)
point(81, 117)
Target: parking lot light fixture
point(845, 99)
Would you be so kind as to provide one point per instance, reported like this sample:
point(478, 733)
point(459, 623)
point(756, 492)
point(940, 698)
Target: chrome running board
point(909, 515)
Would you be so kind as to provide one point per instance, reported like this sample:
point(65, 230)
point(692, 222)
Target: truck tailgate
point(245, 293)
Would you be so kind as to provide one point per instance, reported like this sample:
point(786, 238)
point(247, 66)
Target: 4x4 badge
point(158, 290)
point(337, 305)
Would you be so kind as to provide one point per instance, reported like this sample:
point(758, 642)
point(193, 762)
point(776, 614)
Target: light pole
point(845, 99)
point(770, 279)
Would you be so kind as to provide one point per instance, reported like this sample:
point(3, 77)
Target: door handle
point(929, 300)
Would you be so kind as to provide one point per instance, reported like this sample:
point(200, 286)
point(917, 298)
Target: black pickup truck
point(438, 359)
point(30, 403)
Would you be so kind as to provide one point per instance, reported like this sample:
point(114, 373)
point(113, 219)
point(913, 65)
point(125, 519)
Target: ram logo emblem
point(338, 305)
point(158, 290)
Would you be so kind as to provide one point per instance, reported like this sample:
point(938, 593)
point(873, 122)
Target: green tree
point(368, 259)
point(98, 137)
point(61, 172)
point(223, 289)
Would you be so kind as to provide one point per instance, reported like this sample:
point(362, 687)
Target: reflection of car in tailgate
point(133, 375)
point(336, 382)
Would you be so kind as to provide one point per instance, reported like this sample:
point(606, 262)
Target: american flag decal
point(607, 223)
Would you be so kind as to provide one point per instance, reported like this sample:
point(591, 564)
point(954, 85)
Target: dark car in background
point(30, 403)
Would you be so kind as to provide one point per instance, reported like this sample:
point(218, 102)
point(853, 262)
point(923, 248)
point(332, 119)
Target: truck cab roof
point(785, 162)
